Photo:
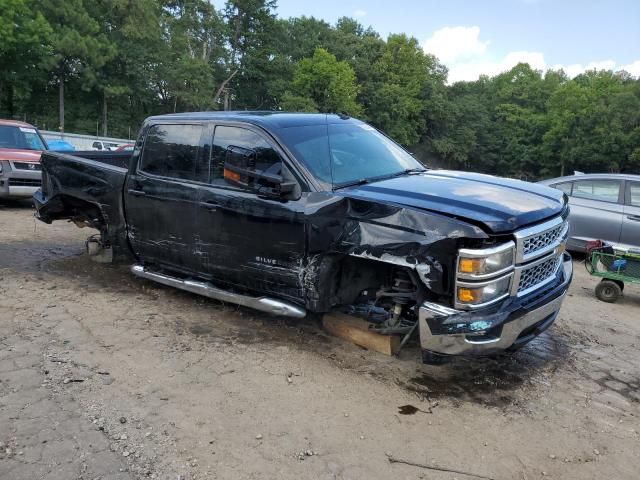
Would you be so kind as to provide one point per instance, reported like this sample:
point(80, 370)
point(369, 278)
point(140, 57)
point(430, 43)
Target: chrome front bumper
point(490, 333)
point(22, 192)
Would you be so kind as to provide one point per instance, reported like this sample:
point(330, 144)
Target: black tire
point(620, 284)
point(608, 291)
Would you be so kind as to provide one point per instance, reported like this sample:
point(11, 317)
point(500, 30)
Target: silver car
point(603, 206)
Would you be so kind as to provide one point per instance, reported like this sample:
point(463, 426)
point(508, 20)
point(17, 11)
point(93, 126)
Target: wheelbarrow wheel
point(608, 291)
point(620, 283)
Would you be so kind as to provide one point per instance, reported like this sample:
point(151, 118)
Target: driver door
point(253, 241)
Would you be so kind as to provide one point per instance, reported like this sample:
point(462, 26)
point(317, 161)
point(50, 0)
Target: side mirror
point(240, 169)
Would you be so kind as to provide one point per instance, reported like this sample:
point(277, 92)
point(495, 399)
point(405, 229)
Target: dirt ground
point(106, 376)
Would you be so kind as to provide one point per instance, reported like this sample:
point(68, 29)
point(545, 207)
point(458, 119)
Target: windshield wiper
point(410, 170)
point(364, 181)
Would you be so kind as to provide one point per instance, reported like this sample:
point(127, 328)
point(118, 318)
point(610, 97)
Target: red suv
point(20, 147)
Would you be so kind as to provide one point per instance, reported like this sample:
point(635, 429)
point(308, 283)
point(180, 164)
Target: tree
point(396, 91)
point(248, 23)
point(324, 83)
point(192, 32)
point(131, 27)
point(124, 60)
point(593, 123)
point(24, 44)
point(78, 47)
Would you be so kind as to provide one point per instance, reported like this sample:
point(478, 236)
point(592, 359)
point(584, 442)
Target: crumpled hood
point(501, 204)
point(17, 155)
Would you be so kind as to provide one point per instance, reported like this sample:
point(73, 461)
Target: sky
point(490, 36)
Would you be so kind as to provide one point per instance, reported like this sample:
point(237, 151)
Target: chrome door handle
point(635, 218)
point(136, 193)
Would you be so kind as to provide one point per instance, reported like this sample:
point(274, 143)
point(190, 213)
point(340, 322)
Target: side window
point(97, 145)
point(634, 193)
point(175, 151)
point(227, 139)
point(603, 190)
point(564, 187)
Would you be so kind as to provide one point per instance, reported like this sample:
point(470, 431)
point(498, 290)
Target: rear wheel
point(608, 291)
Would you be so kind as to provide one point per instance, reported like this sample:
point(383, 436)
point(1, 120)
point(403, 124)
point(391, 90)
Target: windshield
point(346, 153)
point(23, 138)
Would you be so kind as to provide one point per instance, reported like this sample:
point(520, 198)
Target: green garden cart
point(615, 268)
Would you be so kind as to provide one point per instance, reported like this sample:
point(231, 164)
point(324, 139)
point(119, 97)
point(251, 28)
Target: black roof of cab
point(266, 119)
point(272, 122)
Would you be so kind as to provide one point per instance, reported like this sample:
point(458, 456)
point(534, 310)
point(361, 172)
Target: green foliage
point(400, 75)
point(593, 125)
point(122, 60)
point(78, 46)
point(324, 83)
point(24, 46)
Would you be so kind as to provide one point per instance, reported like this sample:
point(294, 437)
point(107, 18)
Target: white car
point(100, 145)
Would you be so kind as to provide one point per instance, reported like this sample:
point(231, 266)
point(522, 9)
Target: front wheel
point(608, 291)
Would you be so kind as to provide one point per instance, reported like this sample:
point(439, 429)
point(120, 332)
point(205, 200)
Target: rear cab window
point(601, 190)
point(176, 151)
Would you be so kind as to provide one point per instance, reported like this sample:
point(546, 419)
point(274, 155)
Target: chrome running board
point(265, 304)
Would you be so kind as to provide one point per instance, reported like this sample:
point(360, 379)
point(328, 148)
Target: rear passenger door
point(596, 211)
point(630, 236)
point(161, 195)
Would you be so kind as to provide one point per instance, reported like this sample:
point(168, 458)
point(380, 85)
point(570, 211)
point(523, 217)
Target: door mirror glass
point(241, 168)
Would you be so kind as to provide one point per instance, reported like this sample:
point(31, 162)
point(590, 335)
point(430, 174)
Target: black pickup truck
point(297, 213)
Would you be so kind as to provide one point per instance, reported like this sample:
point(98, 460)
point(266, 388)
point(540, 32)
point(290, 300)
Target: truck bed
point(87, 191)
point(117, 159)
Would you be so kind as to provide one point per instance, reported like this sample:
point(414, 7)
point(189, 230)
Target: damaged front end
point(465, 291)
point(504, 296)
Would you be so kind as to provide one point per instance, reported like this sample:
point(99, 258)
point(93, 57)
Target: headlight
point(487, 262)
point(481, 293)
point(484, 275)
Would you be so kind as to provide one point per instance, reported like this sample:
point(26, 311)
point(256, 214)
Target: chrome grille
point(539, 242)
point(537, 274)
point(27, 166)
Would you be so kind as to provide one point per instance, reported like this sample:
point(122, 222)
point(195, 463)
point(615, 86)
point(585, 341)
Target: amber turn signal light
point(471, 265)
point(469, 295)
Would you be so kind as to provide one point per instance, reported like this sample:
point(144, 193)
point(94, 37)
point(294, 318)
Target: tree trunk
point(227, 103)
point(10, 105)
point(104, 115)
point(61, 104)
point(222, 85)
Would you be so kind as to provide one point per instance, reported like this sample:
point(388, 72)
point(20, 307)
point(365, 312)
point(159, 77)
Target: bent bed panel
point(72, 184)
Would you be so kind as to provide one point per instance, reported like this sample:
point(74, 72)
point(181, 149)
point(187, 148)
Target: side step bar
point(265, 304)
